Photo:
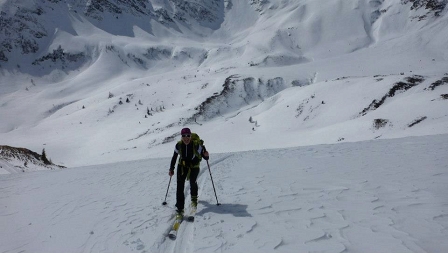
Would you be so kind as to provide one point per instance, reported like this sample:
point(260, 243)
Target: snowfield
point(372, 196)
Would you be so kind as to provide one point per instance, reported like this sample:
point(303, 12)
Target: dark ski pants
point(181, 177)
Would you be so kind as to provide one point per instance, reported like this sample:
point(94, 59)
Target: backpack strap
point(197, 150)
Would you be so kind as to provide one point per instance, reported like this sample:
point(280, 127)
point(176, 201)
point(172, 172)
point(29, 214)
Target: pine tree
point(44, 157)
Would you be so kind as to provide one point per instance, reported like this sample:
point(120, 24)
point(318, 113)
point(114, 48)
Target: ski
point(173, 233)
point(190, 217)
point(178, 220)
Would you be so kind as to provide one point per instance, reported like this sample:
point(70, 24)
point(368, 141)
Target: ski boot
point(194, 202)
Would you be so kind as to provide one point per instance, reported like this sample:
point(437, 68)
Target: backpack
point(196, 140)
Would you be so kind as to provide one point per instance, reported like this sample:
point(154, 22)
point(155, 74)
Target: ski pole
point(164, 202)
point(217, 203)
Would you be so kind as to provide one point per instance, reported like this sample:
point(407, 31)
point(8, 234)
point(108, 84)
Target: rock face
point(434, 6)
point(27, 27)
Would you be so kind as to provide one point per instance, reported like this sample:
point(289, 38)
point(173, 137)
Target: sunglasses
point(186, 135)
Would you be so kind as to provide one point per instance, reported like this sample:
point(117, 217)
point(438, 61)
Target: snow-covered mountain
point(102, 81)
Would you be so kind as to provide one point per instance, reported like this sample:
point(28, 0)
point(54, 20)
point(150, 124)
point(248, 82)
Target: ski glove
point(205, 154)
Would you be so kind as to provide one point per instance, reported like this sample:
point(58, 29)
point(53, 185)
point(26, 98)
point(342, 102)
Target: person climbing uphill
point(190, 150)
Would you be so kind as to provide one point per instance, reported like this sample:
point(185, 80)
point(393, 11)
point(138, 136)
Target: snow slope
point(371, 196)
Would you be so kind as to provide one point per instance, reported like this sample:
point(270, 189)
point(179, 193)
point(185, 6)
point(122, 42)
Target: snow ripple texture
point(382, 196)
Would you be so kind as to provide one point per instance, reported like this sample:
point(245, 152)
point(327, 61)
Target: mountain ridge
point(128, 79)
point(14, 160)
point(24, 25)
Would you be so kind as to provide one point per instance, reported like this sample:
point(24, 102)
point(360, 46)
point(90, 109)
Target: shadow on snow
point(236, 210)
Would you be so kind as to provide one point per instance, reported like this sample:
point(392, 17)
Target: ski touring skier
point(190, 150)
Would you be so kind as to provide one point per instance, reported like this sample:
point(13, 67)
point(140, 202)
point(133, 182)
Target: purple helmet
point(185, 131)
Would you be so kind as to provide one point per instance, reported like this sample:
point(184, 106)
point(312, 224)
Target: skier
point(191, 151)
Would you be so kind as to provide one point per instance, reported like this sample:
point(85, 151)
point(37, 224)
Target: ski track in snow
point(185, 236)
point(386, 195)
